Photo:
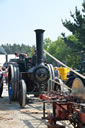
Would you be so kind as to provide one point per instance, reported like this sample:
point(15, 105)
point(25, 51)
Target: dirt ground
point(11, 116)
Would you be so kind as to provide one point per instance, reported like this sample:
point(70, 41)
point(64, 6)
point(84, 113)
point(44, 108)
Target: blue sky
point(19, 19)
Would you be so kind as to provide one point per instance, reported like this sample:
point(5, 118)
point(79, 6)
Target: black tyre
point(22, 93)
point(16, 82)
point(11, 79)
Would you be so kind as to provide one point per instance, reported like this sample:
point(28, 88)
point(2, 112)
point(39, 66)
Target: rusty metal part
point(52, 123)
point(64, 107)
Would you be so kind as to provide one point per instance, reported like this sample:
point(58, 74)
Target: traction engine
point(26, 78)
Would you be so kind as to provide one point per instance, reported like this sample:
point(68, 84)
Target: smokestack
point(39, 45)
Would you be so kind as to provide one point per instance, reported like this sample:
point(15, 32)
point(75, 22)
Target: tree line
point(11, 49)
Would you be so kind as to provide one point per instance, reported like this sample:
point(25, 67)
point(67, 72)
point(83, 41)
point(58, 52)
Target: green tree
point(47, 43)
point(77, 27)
point(61, 51)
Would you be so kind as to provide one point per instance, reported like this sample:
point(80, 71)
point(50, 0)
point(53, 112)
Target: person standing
point(2, 72)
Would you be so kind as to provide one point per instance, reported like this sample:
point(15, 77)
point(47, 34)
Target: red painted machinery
point(64, 107)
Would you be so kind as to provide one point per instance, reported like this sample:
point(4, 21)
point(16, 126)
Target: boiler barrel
point(39, 45)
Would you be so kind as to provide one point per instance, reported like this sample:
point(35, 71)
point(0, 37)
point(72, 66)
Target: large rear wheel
point(13, 79)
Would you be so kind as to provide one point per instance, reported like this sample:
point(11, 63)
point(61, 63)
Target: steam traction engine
point(26, 78)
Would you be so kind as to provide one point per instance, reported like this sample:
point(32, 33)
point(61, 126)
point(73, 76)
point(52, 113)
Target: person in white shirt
point(2, 72)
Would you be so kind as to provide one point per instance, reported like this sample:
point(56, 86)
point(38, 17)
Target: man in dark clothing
point(21, 55)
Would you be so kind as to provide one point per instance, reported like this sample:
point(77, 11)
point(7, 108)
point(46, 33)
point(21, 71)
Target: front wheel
point(22, 93)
